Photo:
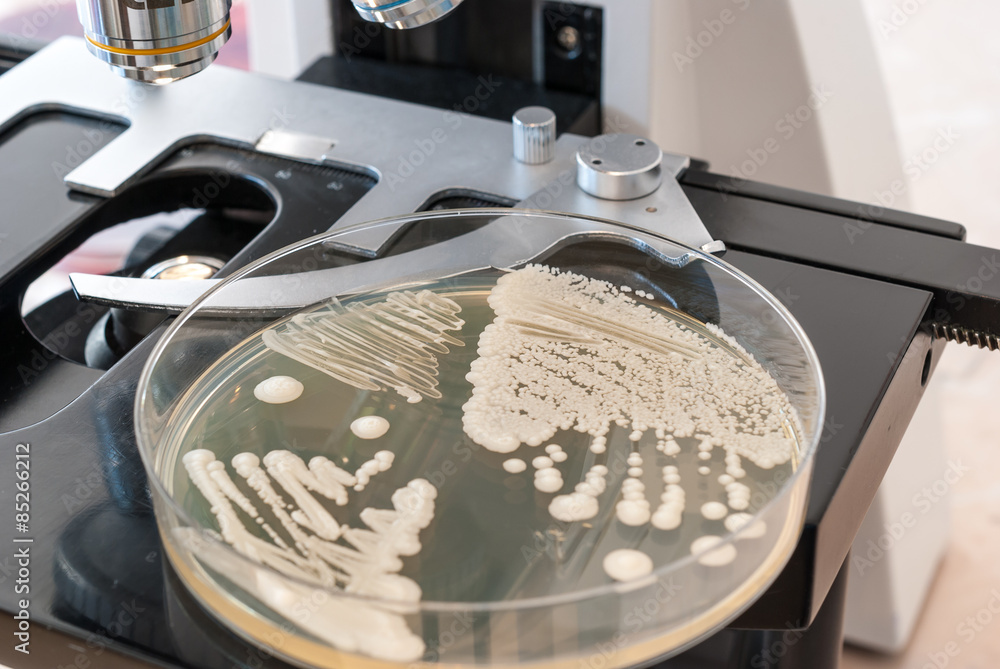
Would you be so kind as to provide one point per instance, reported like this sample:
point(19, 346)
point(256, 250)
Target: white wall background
point(942, 68)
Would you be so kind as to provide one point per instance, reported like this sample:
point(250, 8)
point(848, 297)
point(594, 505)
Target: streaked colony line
point(365, 561)
point(393, 343)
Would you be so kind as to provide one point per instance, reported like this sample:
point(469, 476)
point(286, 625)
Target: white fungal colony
point(569, 352)
point(542, 462)
point(714, 510)
point(548, 479)
point(278, 390)
point(633, 509)
point(626, 564)
point(379, 463)
point(389, 344)
point(670, 512)
point(514, 465)
point(739, 495)
point(710, 556)
point(369, 427)
point(666, 444)
point(314, 547)
point(556, 452)
point(581, 504)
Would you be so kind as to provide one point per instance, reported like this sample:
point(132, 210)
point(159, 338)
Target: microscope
point(417, 109)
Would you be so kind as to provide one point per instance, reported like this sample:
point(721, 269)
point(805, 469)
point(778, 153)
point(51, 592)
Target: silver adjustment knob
point(403, 14)
point(619, 167)
point(534, 135)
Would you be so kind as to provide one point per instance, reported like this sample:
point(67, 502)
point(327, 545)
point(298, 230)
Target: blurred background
point(940, 65)
point(942, 68)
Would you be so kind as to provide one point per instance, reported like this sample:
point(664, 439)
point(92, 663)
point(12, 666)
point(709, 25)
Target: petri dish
point(600, 451)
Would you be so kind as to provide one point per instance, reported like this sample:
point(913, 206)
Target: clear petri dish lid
point(514, 438)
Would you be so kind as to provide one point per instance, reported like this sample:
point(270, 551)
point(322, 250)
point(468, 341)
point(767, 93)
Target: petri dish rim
point(146, 449)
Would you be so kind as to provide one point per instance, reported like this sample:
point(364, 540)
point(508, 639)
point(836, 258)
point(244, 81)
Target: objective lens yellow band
point(160, 52)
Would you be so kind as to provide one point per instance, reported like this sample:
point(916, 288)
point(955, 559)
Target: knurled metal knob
point(619, 166)
point(534, 135)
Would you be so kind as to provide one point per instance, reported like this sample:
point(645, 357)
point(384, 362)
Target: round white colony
point(278, 390)
point(626, 564)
